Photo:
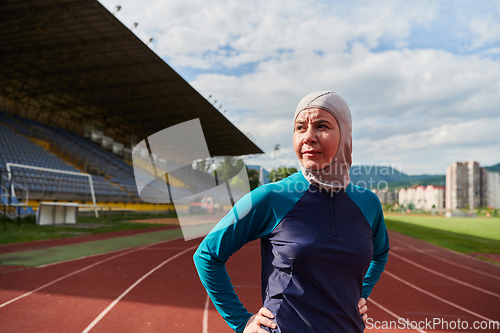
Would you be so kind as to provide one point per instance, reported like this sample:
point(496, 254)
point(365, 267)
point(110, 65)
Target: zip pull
point(331, 215)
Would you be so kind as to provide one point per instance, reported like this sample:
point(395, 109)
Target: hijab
point(335, 176)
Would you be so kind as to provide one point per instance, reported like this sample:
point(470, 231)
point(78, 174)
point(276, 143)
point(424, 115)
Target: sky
point(422, 78)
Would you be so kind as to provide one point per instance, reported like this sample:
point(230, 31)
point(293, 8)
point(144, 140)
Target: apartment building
point(422, 197)
point(434, 197)
point(493, 190)
point(470, 186)
point(386, 197)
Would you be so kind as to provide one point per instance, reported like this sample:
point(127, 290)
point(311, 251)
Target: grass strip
point(451, 240)
point(115, 217)
point(61, 253)
point(478, 227)
point(28, 231)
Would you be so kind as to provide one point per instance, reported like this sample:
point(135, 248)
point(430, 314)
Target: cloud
point(389, 93)
point(421, 78)
point(485, 25)
point(187, 32)
point(432, 148)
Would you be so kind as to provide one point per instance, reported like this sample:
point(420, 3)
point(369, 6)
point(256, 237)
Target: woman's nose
point(310, 136)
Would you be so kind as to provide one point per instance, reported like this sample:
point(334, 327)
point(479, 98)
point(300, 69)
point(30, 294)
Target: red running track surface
point(155, 288)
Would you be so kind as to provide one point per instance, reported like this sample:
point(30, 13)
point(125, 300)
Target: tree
point(253, 178)
point(229, 168)
point(239, 183)
point(282, 172)
point(202, 165)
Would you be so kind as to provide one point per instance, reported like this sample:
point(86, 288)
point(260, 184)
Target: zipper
point(331, 215)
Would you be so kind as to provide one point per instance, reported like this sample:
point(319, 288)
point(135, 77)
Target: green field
point(50, 255)
point(478, 227)
point(28, 231)
point(465, 235)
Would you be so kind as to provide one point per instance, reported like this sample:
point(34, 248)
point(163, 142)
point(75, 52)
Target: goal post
point(8, 165)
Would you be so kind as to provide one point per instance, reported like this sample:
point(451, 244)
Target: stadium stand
point(113, 178)
point(68, 64)
point(17, 148)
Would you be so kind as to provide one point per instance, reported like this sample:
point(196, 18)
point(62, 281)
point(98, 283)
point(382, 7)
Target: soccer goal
point(9, 165)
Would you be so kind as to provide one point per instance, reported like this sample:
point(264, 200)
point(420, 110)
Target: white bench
point(50, 213)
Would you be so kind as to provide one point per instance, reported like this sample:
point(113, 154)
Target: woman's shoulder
point(363, 196)
point(279, 195)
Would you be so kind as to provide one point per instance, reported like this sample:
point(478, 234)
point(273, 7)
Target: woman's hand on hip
point(363, 308)
point(261, 318)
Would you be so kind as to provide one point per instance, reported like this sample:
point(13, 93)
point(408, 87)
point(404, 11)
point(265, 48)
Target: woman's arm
point(230, 234)
point(380, 252)
point(371, 208)
point(253, 217)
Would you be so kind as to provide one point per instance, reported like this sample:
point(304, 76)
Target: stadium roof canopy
point(71, 62)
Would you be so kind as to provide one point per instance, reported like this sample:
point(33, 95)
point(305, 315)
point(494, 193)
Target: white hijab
point(336, 175)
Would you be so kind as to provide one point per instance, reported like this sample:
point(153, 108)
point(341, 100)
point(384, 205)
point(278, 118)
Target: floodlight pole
point(276, 148)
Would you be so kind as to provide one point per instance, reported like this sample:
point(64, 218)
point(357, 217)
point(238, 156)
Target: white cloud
point(485, 27)
point(477, 139)
point(187, 31)
point(421, 106)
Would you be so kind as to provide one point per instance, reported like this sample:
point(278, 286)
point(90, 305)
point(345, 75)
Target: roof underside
point(71, 62)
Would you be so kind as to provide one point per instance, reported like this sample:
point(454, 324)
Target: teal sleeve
point(254, 216)
point(370, 205)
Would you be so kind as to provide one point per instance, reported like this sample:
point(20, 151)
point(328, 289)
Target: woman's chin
point(312, 165)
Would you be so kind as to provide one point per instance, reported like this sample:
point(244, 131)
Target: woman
point(324, 243)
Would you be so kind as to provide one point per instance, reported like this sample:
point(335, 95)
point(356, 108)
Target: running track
point(155, 288)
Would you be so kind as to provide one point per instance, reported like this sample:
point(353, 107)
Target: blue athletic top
point(321, 251)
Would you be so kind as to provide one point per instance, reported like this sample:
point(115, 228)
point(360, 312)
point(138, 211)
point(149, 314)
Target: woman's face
point(316, 138)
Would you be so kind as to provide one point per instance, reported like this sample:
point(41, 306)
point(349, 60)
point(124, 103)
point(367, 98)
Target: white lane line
point(165, 248)
point(449, 261)
point(65, 276)
point(105, 311)
point(391, 313)
point(79, 271)
point(437, 297)
point(205, 316)
point(444, 275)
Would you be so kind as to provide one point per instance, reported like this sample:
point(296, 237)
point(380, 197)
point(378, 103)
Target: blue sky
point(422, 78)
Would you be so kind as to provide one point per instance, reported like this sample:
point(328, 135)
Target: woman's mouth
point(310, 153)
